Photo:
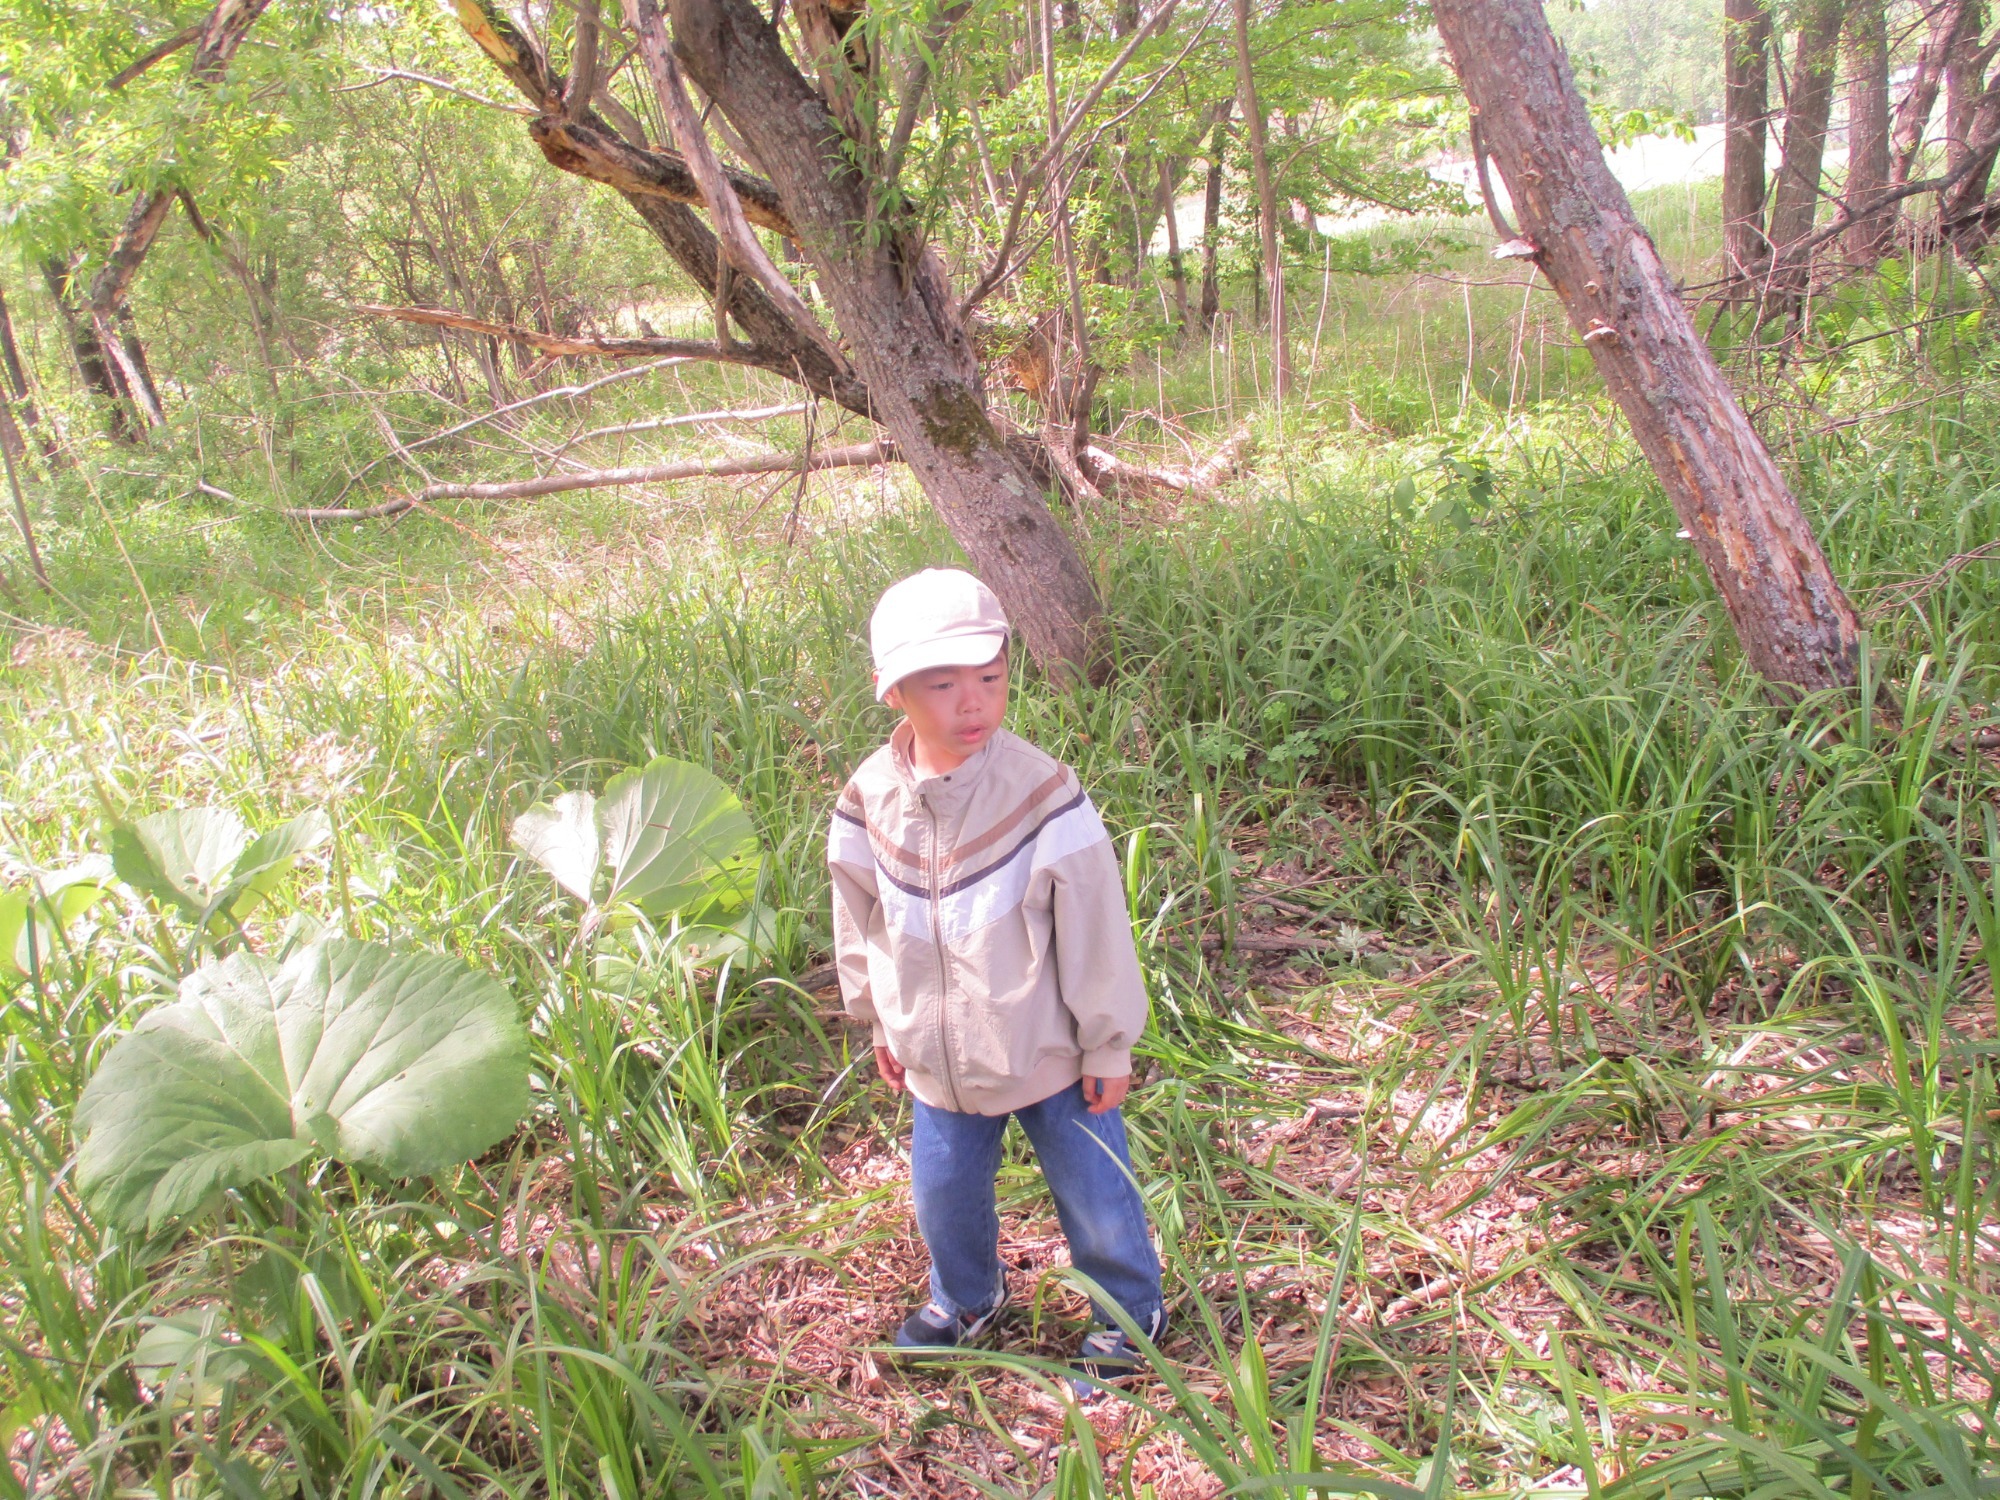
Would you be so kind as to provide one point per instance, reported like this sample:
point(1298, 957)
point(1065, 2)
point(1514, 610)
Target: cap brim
point(950, 651)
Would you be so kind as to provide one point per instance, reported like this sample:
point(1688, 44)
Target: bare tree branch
point(690, 419)
point(559, 344)
point(403, 75)
point(583, 151)
point(857, 455)
point(145, 61)
point(915, 83)
point(583, 61)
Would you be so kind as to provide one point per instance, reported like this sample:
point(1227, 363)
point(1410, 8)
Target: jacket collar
point(949, 787)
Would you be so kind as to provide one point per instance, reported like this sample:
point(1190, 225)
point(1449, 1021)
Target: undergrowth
point(1571, 1071)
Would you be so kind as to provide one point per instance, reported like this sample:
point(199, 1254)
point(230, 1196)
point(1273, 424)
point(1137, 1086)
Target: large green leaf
point(180, 857)
point(55, 901)
point(675, 837)
point(562, 839)
point(203, 861)
point(666, 837)
point(403, 1062)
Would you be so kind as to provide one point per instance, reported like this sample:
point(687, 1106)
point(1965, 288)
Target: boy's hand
point(1104, 1094)
point(890, 1069)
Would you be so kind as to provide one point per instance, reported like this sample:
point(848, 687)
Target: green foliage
point(1635, 55)
point(667, 838)
point(401, 1063)
point(35, 918)
point(203, 863)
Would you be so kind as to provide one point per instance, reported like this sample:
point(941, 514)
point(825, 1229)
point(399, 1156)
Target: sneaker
point(1109, 1357)
point(932, 1330)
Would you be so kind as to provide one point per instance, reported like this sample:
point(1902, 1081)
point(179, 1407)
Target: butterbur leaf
point(673, 836)
point(260, 867)
point(55, 901)
point(402, 1062)
point(190, 1357)
point(752, 935)
point(203, 861)
point(562, 838)
point(181, 857)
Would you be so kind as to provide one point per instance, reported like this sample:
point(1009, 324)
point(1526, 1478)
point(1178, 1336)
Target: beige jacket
point(979, 925)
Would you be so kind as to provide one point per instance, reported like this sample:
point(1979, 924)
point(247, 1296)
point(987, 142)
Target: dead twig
point(1895, 596)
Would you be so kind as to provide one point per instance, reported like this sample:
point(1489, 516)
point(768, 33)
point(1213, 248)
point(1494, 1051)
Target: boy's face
point(953, 710)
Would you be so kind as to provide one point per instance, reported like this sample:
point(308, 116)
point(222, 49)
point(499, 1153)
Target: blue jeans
point(954, 1159)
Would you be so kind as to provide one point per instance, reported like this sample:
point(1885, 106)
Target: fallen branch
point(689, 419)
point(857, 455)
point(558, 344)
point(1113, 473)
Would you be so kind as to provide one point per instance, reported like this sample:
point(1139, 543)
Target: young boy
point(980, 928)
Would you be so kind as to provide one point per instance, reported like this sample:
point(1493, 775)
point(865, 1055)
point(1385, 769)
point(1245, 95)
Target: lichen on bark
point(954, 418)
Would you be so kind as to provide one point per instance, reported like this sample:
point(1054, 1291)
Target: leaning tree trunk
point(903, 329)
point(216, 44)
point(1795, 625)
point(1972, 137)
point(93, 366)
point(1795, 201)
point(1867, 238)
point(1913, 112)
point(1267, 205)
point(1746, 46)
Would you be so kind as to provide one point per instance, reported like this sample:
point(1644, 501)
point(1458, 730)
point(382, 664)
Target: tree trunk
point(1867, 238)
point(1972, 125)
point(1963, 83)
point(1795, 625)
point(1175, 265)
point(1796, 200)
point(220, 36)
point(93, 365)
point(1267, 205)
point(1211, 219)
point(1746, 46)
point(1913, 112)
point(21, 397)
point(904, 330)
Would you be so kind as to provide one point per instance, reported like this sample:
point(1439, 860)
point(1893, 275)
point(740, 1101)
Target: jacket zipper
point(944, 971)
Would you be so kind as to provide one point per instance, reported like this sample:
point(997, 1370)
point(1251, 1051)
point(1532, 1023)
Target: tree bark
point(1867, 238)
point(1795, 625)
point(1795, 201)
point(1267, 205)
point(905, 333)
point(1746, 46)
point(1972, 124)
point(20, 396)
point(93, 365)
point(1963, 83)
point(1913, 112)
point(1211, 219)
point(1176, 266)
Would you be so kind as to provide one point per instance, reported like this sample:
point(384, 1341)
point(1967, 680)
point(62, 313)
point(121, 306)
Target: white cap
point(941, 617)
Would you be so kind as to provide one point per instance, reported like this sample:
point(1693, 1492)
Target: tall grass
point(1702, 984)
